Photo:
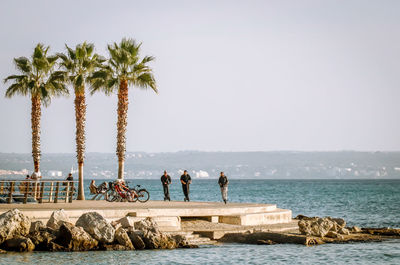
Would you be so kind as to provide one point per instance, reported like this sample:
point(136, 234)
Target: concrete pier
point(168, 215)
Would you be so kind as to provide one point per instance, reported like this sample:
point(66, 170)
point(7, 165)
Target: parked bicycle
point(142, 194)
point(119, 192)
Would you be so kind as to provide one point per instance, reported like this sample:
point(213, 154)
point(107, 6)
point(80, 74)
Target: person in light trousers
point(223, 184)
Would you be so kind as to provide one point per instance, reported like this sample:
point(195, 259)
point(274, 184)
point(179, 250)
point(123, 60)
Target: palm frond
point(23, 64)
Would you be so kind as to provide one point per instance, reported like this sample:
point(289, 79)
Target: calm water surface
point(361, 202)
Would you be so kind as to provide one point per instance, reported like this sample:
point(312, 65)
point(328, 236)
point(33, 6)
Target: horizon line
point(204, 151)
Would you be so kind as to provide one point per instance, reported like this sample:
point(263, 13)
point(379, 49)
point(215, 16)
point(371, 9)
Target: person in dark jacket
point(166, 180)
point(223, 184)
point(70, 177)
point(186, 180)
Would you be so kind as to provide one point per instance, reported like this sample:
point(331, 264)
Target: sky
point(232, 75)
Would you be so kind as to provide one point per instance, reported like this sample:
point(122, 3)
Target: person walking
point(186, 180)
point(166, 180)
point(223, 184)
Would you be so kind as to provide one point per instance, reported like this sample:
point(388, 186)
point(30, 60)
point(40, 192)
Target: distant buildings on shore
point(203, 165)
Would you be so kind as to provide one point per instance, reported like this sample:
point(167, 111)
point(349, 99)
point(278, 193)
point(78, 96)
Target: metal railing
point(41, 191)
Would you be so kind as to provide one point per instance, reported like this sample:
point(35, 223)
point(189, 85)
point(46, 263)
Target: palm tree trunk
point(121, 125)
point(36, 113)
point(80, 119)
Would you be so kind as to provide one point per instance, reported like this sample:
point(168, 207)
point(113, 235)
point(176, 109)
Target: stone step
point(201, 241)
point(165, 223)
point(217, 234)
point(260, 218)
point(222, 209)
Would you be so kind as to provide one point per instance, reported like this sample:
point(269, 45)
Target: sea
point(364, 203)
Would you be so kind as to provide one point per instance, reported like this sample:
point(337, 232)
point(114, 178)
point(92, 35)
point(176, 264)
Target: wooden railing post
point(41, 192)
point(71, 192)
point(35, 190)
point(57, 191)
point(1, 188)
point(27, 187)
point(51, 191)
point(67, 192)
point(11, 192)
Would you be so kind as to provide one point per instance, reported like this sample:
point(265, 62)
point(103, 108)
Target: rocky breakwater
point(334, 230)
point(91, 232)
point(314, 231)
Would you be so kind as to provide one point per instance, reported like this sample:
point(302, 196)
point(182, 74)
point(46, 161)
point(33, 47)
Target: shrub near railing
point(17, 191)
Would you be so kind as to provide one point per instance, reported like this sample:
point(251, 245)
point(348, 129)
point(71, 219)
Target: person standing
point(70, 177)
point(223, 184)
point(186, 180)
point(166, 180)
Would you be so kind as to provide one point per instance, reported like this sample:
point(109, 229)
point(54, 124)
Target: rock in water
point(19, 243)
point(355, 229)
point(97, 226)
point(13, 223)
point(339, 221)
point(122, 237)
point(320, 227)
point(343, 231)
point(332, 234)
point(57, 218)
point(265, 242)
point(75, 238)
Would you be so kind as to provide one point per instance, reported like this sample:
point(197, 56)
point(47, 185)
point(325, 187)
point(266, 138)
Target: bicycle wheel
point(133, 197)
point(143, 195)
point(112, 197)
point(109, 196)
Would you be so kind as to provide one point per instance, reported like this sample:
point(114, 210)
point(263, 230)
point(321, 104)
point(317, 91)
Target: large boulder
point(97, 226)
point(18, 243)
point(75, 238)
point(13, 223)
point(136, 239)
point(36, 226)
point(316, 226)
point(42, 239)
point(58, 218)
point(152, 236)
point(127, 222)
point(147, 224)
point(122, 238)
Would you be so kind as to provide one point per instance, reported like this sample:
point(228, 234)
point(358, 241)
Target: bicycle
point(121, 193)
point(142, 194)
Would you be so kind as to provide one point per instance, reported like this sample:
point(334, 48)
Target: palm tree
point(124, 67)
point(76, 66)
point(38, 81)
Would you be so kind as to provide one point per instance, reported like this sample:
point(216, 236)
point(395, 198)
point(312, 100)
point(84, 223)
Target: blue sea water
point(372, 203)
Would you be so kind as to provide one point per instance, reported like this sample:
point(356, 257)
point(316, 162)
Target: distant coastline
point(206, 165)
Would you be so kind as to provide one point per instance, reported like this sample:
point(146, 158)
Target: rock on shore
point(91, 232)
point(12, 224)
point(97, 226)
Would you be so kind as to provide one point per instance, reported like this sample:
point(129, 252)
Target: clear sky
point(232, 75)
